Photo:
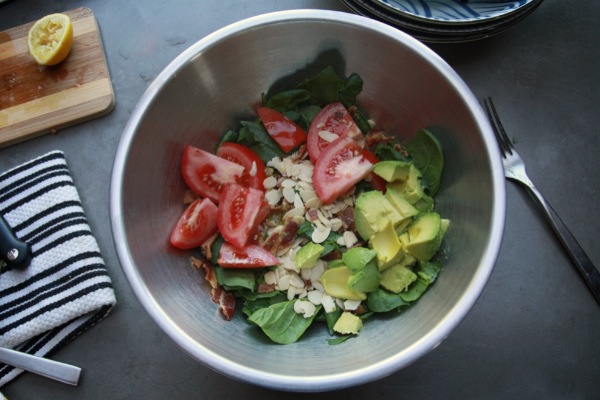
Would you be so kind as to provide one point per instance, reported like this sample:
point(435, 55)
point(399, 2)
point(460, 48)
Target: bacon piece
point(347, 218)
point(282, 237)
point(223, 298)
point(266, 288)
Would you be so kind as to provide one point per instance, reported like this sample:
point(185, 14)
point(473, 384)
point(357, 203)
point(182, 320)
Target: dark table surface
point(533, 333)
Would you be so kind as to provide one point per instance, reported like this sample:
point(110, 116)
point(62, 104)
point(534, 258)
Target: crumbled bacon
point(375, 137)
point(206, 247)
point(265, 288)
point(282, 237)
point(347, 218)
point(224, 299)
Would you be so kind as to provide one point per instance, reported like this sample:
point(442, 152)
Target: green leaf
point(349, 89)
point(426, 152)
point(428, 271)
point(415, 290)
point(338, 340)
point(287, 100)
point(383, 301)
point(255, 301)
point(323, 87)
point(281, 323)
point(235, 278)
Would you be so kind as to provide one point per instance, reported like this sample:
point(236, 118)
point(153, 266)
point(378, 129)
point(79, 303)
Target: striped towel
point(66, 289)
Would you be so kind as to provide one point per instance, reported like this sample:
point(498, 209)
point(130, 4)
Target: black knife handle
point(14, 252)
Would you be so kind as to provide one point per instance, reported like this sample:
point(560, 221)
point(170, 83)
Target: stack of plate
point(447, 21)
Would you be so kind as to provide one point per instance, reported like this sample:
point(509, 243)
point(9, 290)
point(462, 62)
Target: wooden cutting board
point(35, 100)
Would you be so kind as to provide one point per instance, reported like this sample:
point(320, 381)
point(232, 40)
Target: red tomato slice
point(286, 132)
point(254, 168)
point(197, 223)
point(250, 256)
point(340, 166)
point(238, 215)
point(335, 119)
point(377, 182)
point(206, 173)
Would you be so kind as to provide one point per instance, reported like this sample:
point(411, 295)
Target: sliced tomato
point(206, 173)
point(254, 168)
point(250, 256)
point(240, 210)
point(286, 132)
point(197, 223)
point(334, 120)
point(340, 166)
point(377, 182)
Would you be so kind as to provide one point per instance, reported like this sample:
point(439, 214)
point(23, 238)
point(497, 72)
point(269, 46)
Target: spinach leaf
point(383, 301)
point(281, 323)
point(323, 87)
point(254, 136)
point(286, 100)
point(349, 89)
point(426, 152)
point(331, 318)
point(338, 340)
point(215, 249)
point(388, 151)
point(255, 301)
point(428, 271)
point(235, 278)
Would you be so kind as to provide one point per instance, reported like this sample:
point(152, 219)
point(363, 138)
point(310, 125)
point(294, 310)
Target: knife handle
point(14, 252)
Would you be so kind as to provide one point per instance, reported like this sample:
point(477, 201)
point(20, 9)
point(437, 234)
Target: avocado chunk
point(425, 204)
point(308, 255)
point(347, 324)
point(357, 257)
point(372, 212)
point(387, 246)
point(397, 278)
point(335, 284)
point(366, 280)
point(411, 189)
point(403, 206)
point(392, 170)
point(365, 273)
point(423, 236)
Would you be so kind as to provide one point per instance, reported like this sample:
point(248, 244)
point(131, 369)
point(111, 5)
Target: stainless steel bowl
point(205, 91)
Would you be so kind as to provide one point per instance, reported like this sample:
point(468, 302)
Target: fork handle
point(582, 262)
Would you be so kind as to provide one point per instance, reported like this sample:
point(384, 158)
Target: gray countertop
point(533, 331)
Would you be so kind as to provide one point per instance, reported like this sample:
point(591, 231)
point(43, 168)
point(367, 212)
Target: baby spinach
point(281, 323)
point(426, 152)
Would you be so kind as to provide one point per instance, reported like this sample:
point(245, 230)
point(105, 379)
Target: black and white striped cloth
point(66, 289)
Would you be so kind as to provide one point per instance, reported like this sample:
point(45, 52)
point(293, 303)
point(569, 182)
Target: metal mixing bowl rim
point(333, 381)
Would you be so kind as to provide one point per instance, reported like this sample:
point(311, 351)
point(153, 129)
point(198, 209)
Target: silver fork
point(514, 168)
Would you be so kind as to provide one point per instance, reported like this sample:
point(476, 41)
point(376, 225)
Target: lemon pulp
point(50, 39)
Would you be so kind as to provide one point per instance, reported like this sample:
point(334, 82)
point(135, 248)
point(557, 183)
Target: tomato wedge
point(377, 182)
point(240, 210)
point(333, 120)
point(206, 173)
point(250, 256)
point(197, 223)
point(254, 168)
point(340, 166)
point(286, 132)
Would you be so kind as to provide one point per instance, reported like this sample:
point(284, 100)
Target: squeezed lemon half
point(50, 39)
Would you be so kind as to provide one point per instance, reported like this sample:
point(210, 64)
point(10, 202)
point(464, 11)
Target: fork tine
point(501, 136)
